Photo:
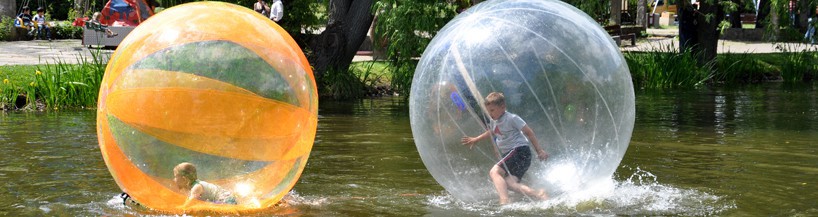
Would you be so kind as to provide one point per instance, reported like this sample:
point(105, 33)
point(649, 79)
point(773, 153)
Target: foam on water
point(640, 194)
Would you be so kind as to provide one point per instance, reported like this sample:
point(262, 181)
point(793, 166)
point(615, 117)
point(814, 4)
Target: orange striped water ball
point(214, 85)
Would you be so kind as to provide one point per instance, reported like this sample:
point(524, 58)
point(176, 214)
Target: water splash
point(295, 199)
point(639, 194)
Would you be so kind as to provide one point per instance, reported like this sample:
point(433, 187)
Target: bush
point(6, 26)
point(64, 30)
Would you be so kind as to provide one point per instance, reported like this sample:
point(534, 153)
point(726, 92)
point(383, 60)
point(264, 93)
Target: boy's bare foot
point(503, 201)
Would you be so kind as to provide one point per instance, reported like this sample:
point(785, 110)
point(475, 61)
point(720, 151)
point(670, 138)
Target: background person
point(43, 31)
point(277, 10)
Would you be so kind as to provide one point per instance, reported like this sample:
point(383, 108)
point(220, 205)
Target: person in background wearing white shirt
point(42, 29)
point(276, 10)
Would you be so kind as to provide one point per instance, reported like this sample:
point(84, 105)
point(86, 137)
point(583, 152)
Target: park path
point(664, 43)
point(42, 51)
point(71, 51)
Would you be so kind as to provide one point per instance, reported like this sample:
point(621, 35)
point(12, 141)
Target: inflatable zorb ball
point(559, 71)
point(216, 85)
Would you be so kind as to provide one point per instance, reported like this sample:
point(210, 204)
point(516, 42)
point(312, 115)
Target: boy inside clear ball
point(184, 175)
point(510, 132)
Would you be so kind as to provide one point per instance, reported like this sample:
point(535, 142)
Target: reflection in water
point(735, 152)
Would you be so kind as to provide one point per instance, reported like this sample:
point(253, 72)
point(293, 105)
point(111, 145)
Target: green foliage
point(309, 16)
point(341, 85)
point(799, 65)
point(372, 73)
point(6, 26)
point(742, 69)
point(64, 30)
point(666, 68)
point(54, 85)
point(599, 10)
point(405, 28)
point(362, 78)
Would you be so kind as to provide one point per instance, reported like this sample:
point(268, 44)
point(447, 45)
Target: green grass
point(52, 85)
point(18, 73)
point(372, 73)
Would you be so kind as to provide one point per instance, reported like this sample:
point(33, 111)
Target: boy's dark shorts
point(516, 161)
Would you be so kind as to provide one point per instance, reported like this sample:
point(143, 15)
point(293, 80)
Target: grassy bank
point(61, 85)
point(662, 70)
point(51, 86)
point(371, 78)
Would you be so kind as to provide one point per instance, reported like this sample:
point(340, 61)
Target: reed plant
point(665, 68)
point(55, 85)
point(743, 68)
point(9, 93)
point(341, 84)
point(372, 73)
point(801, 64)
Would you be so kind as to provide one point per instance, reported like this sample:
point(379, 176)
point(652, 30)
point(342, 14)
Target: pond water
point(736, 152)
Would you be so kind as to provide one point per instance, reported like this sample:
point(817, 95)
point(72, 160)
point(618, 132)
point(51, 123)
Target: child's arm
point(471, 140)
point(195, 193)
point(541, 154)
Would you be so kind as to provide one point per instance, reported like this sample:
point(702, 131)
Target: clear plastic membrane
point(559, 71)
point(640, 194)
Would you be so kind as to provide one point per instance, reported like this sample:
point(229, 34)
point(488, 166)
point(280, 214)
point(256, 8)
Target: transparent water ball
point(558, 70)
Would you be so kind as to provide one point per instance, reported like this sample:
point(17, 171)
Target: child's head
point(26, 10)
point(40, 11)
point(495, 104)
point(184, 174)
point(96, 16)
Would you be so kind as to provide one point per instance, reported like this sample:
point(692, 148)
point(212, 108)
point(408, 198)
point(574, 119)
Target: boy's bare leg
point(515, 185)
point(496, 174)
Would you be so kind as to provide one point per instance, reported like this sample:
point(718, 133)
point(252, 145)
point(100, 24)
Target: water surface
point(728, 152)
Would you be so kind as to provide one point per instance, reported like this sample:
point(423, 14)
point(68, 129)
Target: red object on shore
point(80, 21)
point(125, 12)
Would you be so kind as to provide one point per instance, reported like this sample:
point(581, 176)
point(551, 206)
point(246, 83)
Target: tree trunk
point(616, 12)
point(775, 24)
point(641, 13)
point(348, 23)
point(8, 8)
point(804, 13)
point(707, 31)
point(735, 16)
point(762, 11)
point(697, 33)
point(687, 26)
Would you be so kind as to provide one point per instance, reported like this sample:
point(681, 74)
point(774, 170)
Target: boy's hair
point(40, 10)
point(187, 170)
point(25, 8)
point(495, 98)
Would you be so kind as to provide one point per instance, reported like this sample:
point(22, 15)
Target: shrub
point(6, 26)
point(64, 30)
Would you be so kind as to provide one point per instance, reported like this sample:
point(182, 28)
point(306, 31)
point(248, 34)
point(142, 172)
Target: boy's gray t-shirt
point(507, 131)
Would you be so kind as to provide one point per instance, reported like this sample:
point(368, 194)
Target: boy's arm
point(195, 193)
point(471, 140)
point(541, 154)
